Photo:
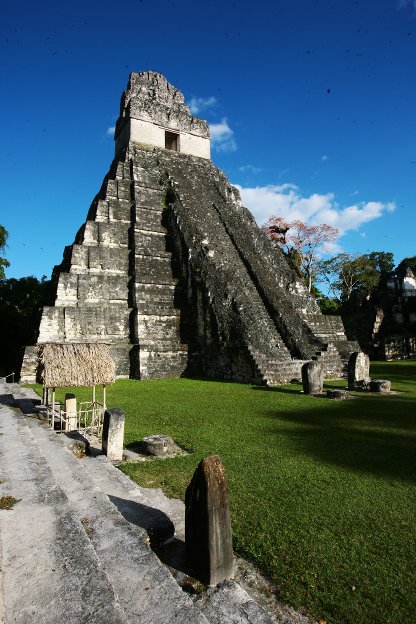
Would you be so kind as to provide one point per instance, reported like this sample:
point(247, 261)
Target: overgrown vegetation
point(8, 502)
point(322, 492)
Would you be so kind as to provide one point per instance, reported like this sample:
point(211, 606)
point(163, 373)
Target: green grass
point(322, 492)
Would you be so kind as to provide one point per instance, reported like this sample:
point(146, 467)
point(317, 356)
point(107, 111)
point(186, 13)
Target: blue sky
point(311, 106)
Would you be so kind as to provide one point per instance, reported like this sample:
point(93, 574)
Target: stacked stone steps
point(327, 327)
point(99, 260)
point(92, 291)
point(157, 321)
point(332, 363)
point(83, 552)
point(274, 348)
point(286, 370)
point(270, 355)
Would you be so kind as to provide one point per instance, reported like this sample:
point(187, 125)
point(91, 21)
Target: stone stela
point(208, 536)
point(172, 272)
point(113, 434)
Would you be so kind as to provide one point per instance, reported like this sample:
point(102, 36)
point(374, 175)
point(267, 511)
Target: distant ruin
point(172, 272)
point(389, 328)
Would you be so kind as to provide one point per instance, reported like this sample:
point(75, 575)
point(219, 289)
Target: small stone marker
point(208, 536)
point(380, 385)
point(358, 370)
point(71, 412)
point(337, 393)
point(312, 377)
point(113, 434)
point(158, 445)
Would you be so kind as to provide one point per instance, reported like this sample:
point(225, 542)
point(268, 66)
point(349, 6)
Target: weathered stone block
point(154, 270)
point(208, 536)
point(108, 259)
point(29, 365)
point(380, 385)
point(108, 288)
point(358, 370)
point(312, 377)
point(124, 189)
point(150, 197)
point(119, 210)
point(149, 219)
point(97, 323)
point(52, 325)
point(113, 434)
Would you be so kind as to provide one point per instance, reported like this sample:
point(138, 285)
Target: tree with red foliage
point(301, 243)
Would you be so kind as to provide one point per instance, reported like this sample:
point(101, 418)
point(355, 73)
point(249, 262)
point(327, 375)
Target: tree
point(302, 243)
point(406, 263)
point(3, 242)
point(20, 300)
point(346, 274)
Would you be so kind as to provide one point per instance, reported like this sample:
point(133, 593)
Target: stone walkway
point(77, 545)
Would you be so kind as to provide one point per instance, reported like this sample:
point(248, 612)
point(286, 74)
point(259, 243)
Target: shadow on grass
point(374, 436)
point(279, 389)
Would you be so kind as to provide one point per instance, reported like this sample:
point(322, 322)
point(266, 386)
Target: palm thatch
point(74, 365)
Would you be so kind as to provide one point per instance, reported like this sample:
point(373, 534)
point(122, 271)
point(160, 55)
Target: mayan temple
point(172, 272)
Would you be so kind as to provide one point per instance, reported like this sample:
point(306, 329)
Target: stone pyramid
point(172, 272)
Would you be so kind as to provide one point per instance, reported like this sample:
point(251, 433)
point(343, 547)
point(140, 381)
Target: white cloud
point(250, 169)
point(324, 158)
point(197, 105)
point(110, 130)
point(286, 201)
point(222, 137)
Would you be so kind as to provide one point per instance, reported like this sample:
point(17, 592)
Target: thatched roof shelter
point(74, 365)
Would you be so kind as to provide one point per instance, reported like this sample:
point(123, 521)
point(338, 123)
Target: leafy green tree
point(346, 274)
point(3, 242)
point(20, 300)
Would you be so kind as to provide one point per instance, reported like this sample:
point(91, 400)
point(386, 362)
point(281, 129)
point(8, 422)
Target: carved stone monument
point(358, 370)
point(172, 272)
point(312, 378)
point(208, 537)
point(113, 434)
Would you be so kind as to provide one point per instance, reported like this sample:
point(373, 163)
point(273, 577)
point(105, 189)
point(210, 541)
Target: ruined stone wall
point(149, 107)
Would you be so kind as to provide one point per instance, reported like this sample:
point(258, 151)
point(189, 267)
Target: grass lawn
point(322, 492)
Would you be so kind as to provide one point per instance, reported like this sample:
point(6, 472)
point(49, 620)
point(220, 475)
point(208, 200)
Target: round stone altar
point(158, 445)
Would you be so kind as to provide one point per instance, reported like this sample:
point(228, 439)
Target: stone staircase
point(216, 259)
point(75, 548)
point(336, 349)
point(156, 326)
